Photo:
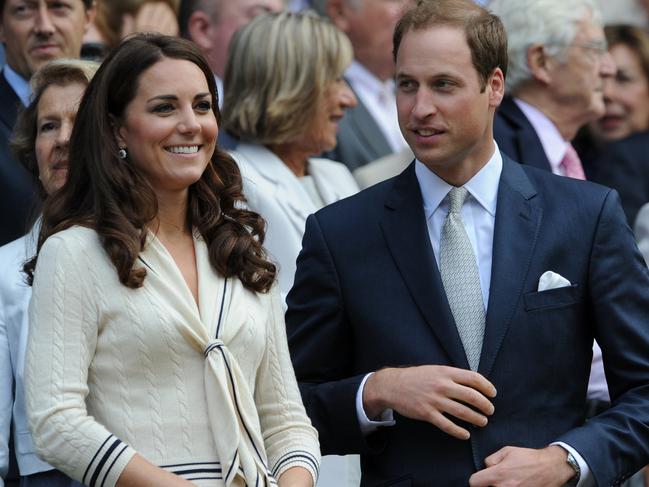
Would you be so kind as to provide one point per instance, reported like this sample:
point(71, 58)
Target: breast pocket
point(560, 297)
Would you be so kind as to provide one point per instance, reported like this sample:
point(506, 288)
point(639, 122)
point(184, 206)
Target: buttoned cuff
point(586, 479)
point(367, 425)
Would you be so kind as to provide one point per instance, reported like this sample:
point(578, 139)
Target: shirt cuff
point(586, 478)
point(367, 425)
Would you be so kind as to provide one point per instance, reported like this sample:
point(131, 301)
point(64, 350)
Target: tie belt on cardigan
point(212, 345)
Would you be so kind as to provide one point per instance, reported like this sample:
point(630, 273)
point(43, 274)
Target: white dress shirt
point(380, 100)
point(19, 84)
point(479, 216)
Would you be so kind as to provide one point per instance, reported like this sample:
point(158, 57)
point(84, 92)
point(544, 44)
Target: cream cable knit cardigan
point(112, 370)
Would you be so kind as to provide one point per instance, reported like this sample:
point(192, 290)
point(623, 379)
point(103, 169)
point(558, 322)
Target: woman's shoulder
point(76, 239)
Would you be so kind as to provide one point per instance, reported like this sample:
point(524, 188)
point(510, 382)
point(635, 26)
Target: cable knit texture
point(112, 370)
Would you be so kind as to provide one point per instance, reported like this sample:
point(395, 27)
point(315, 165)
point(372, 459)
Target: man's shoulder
point(562, 189)
point(366, 204)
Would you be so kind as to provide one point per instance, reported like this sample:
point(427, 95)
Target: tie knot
point(456, 198)
point(213, 345)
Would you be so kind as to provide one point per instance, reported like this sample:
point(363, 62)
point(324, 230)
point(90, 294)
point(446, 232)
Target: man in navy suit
point(441, 322)
point(33, 33)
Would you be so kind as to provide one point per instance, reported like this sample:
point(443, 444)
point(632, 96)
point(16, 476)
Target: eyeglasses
point(599, 48)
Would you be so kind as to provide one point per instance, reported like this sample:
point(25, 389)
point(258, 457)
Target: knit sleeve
point(289, 438)
point(64, 321)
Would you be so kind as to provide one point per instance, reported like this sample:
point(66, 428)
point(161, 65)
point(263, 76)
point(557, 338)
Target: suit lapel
point(289, 193)
point(529, 147)
point(518, 219)
point(368, 130)
point(9, 102)
point(406, 233)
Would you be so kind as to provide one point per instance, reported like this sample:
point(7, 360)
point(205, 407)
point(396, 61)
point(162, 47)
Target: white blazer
point(14, 301)
point(276, 193)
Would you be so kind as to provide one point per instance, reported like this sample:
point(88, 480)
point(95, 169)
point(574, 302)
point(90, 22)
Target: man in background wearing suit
point(441, 322)
point(370, 130)
point(558, 60)
point(33, 33)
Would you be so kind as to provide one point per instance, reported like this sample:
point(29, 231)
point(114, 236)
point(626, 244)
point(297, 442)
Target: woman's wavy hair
point(114, 198)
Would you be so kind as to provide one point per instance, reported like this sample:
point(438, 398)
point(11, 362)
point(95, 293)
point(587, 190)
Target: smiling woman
point(151, 275)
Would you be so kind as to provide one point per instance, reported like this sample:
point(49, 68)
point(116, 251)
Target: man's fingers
point(483, 478)
point(473, 398)
point(465, 413)
point(475, 381)
point(496, 458)
point(448, 426)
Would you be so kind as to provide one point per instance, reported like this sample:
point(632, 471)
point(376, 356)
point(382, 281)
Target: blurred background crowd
point(308, 113)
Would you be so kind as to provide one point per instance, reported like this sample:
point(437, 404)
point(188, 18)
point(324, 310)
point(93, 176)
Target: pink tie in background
point(571, 164)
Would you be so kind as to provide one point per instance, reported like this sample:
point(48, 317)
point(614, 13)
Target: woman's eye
point(163, 108)
point(204, 106)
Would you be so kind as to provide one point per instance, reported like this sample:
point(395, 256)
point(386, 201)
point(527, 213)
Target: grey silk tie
point(459, 272)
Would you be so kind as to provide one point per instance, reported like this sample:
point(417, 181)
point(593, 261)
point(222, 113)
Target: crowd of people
point(331, 243)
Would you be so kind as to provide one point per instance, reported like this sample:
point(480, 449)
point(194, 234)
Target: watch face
point(572, 461)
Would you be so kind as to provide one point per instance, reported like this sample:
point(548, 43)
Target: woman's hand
point(141, 473)
point(296, 477)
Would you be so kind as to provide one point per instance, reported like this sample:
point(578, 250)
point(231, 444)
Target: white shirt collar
point(219, 90)
point(483, 186)
point(19, 84)
point(553, 143)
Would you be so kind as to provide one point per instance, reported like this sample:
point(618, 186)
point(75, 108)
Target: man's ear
point(538, 62)
point(91, 12)
point(337, 13)
point(496, 87)
point(198, 26)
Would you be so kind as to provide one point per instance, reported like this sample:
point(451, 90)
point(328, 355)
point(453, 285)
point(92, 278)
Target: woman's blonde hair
point(278, 69)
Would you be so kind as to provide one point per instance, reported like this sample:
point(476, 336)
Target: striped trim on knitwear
point(197, 470)
point(103, 461)
point(296, 457)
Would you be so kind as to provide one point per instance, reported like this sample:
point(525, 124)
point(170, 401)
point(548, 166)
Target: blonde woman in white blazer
point(277, 194)
point(157, 352)
point(284, 97)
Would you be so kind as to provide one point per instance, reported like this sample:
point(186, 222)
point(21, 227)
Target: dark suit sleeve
point(618, 439)
point(322, 346)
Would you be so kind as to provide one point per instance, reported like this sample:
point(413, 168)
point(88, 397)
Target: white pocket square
point(552, 280)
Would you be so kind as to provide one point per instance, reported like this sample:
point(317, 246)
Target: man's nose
point(43, 23)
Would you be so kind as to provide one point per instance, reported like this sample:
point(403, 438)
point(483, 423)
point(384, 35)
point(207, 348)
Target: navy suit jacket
point(516, 136)
point(17, 194)
point(368, 294)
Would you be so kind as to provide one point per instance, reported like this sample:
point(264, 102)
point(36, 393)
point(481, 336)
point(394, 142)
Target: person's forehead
point(4, 4)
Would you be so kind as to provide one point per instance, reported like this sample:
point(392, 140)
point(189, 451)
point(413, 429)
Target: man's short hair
point(86, 3)
point(185, 11)
point(551, 23)
point(484, 31)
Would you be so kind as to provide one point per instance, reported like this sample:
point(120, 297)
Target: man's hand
point(429, 392)
point(513, 467)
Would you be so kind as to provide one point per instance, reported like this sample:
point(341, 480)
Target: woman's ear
point(117, 131)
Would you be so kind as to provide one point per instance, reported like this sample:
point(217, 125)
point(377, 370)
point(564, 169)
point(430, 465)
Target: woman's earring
point(122, 153)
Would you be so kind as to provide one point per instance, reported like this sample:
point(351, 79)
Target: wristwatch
point(572, 461)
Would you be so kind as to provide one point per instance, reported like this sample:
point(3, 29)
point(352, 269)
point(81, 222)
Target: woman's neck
point(290, 154)
point(171, 222)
